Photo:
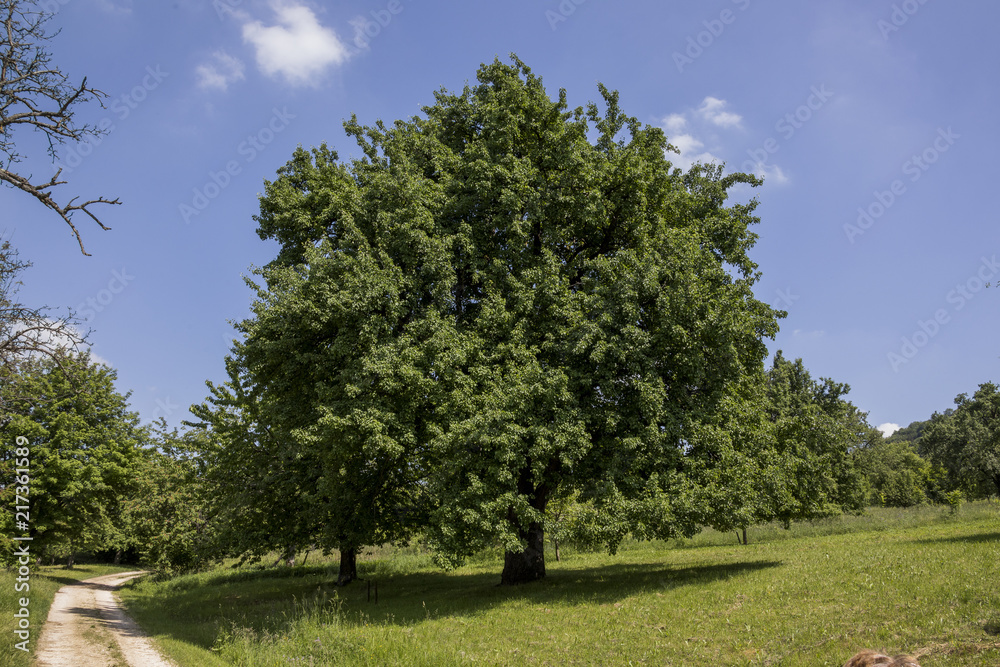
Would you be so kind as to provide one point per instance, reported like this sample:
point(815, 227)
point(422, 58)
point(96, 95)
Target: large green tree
point(84, 443)
point(501, 302)
point(966, 442)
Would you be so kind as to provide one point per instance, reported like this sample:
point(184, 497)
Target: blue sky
point(874, 124)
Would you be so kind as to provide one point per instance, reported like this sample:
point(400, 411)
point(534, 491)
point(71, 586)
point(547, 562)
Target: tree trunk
point(745, 536)
point(555, 543)
point(348, 566)
point(69, 561)
point(521, 567)
point(118, 556)
point(288, 557)
point(996, 481)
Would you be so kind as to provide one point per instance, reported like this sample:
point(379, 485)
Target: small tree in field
point(503, 302)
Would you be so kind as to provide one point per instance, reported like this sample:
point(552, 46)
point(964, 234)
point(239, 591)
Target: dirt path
point(87, 627)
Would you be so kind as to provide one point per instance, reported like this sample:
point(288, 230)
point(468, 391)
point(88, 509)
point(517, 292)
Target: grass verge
point(916, 580)
point(43, 582)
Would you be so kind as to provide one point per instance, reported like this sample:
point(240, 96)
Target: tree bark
point(348, 566)
point(745, 536)
point(118, 556)
point(521, 567)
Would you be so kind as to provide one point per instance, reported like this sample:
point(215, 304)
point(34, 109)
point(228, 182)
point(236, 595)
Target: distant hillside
point(912, 432)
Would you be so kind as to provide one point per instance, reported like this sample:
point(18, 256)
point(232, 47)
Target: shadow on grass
point(964, 539)
point(271, 600)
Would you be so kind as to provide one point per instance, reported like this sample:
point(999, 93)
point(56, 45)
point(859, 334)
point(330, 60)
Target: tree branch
point(37, 95)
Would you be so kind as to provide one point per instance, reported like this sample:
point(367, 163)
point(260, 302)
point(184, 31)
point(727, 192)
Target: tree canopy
point(501, 302)
point(84, 444)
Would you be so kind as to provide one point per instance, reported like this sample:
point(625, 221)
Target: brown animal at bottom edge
point(873, 659)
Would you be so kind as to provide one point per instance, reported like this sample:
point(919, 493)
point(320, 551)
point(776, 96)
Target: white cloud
point(888, 428)
point(223, 70)
point(675, 123)
point(298, 48)
point(690, 131)
point(98, 359)
point(686, 144)
point(711, 109)
point(689, 146)
point(771, 173)
point(45, 335)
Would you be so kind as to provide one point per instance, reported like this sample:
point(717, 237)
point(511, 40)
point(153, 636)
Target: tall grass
point(909, 580)
point(875, 519)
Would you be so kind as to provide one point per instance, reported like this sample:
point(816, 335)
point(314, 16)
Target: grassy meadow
point(44, 582)
point(919, 580)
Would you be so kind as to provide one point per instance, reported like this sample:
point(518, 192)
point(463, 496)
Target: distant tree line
point(953, 454)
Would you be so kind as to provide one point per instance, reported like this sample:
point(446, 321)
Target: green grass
point(893, 580)
point(44, 582)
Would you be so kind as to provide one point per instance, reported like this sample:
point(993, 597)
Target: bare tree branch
point(36, 94)
point(27, 334)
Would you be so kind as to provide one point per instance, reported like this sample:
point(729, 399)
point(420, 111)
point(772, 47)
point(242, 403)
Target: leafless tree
point(36, 94)
point(27, 333)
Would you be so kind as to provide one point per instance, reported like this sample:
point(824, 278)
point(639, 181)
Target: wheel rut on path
point(87, 627)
